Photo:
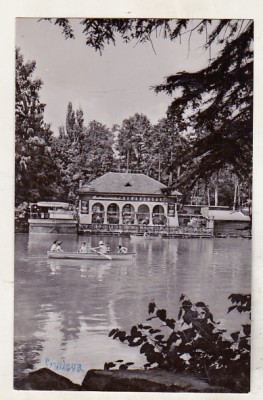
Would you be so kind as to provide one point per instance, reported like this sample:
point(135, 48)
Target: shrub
point(194, 343)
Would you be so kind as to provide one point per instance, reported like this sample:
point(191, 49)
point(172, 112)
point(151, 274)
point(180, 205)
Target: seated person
point(122, 249)
point(83, 248)
point(54, 246)
point(102, 248)
point(58, 248)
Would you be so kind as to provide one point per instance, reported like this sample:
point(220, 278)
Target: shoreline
point(155, 380)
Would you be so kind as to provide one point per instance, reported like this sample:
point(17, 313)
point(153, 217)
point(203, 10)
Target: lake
point(64, 310)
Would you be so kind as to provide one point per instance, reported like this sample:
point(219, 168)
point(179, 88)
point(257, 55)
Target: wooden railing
point(140, 229)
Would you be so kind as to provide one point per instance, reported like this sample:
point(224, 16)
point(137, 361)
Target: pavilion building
point(128, 200)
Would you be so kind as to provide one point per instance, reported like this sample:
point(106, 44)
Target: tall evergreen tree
point(217, 103)
point(70, 121)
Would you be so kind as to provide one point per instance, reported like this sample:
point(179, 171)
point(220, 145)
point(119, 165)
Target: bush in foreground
point(193, 343)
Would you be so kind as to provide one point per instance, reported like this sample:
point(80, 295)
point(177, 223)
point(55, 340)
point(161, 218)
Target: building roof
point(57, 204)
point(227, 215)
point(117, 182)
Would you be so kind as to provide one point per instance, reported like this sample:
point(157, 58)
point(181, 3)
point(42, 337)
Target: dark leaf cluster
point(193, 342)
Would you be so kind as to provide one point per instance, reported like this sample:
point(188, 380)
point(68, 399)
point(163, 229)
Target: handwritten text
point(63, 366)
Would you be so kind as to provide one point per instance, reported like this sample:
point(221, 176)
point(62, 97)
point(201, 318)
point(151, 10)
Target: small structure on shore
point(128, 200)
point(52, 217)
point(227, 222)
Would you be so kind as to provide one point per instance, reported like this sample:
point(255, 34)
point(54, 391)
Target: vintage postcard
point(134, 204)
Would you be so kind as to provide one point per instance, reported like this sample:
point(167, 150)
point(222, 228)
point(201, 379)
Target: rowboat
point(65, 255)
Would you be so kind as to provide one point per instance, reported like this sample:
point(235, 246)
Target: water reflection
point(70, 306)
point(54, 268)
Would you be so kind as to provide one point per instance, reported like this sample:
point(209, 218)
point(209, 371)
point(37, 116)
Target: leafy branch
point(192, 343)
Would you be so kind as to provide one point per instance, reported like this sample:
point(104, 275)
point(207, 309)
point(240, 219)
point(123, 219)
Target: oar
point(105, 255)
point(102, 254)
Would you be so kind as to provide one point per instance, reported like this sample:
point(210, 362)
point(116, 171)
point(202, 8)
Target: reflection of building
point(127, 199)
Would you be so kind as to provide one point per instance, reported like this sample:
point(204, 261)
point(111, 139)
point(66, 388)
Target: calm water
point(65, 310)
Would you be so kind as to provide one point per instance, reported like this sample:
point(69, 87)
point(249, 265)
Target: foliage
point(222, 187)
point(80, 148)
point(167, 147)
point(21, 217)
point(134, 141)
point(104, 31)
point(49, 167)
point(217, 103)
point(193, 342)
point(214, 104)
point(34, 167)
point(98, 148)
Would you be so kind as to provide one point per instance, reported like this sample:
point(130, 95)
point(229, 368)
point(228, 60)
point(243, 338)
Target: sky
point(108, 87)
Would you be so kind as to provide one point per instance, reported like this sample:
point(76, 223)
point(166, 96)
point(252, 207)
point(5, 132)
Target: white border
point(115, 8)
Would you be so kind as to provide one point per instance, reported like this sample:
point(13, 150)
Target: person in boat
point(59, 248)
point(54, 246)
point(102, 248)
point(122, 249)
point(107, 247)
point(83, 248)
point(146, 233)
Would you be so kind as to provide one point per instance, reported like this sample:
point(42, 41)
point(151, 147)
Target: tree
point(35, 170)
point(134, 142)
point(98, 149)
point(168, 146)
point(79, 149)
point(67, 150)
point(216, 102)
point(70, 121)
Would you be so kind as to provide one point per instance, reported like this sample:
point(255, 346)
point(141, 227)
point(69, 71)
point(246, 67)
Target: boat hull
point(89, 256)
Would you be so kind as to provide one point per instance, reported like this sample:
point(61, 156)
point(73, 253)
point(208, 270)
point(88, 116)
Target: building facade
point(127, 199)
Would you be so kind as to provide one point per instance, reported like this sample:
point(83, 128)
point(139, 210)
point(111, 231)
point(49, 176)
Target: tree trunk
point(239, 197)
point(128, 160)
point(208, 197)
point(216, 195)
point(216, 190)
point(170, 181)
point(159, 168)
point(235, 194)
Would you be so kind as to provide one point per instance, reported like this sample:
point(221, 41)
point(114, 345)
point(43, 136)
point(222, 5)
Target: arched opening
point(143, 214)
point(113, 214)
point(97, 213)
point(158, 216)
point(128, 214)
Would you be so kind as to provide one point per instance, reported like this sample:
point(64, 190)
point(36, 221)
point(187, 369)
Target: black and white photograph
point(133, 204)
